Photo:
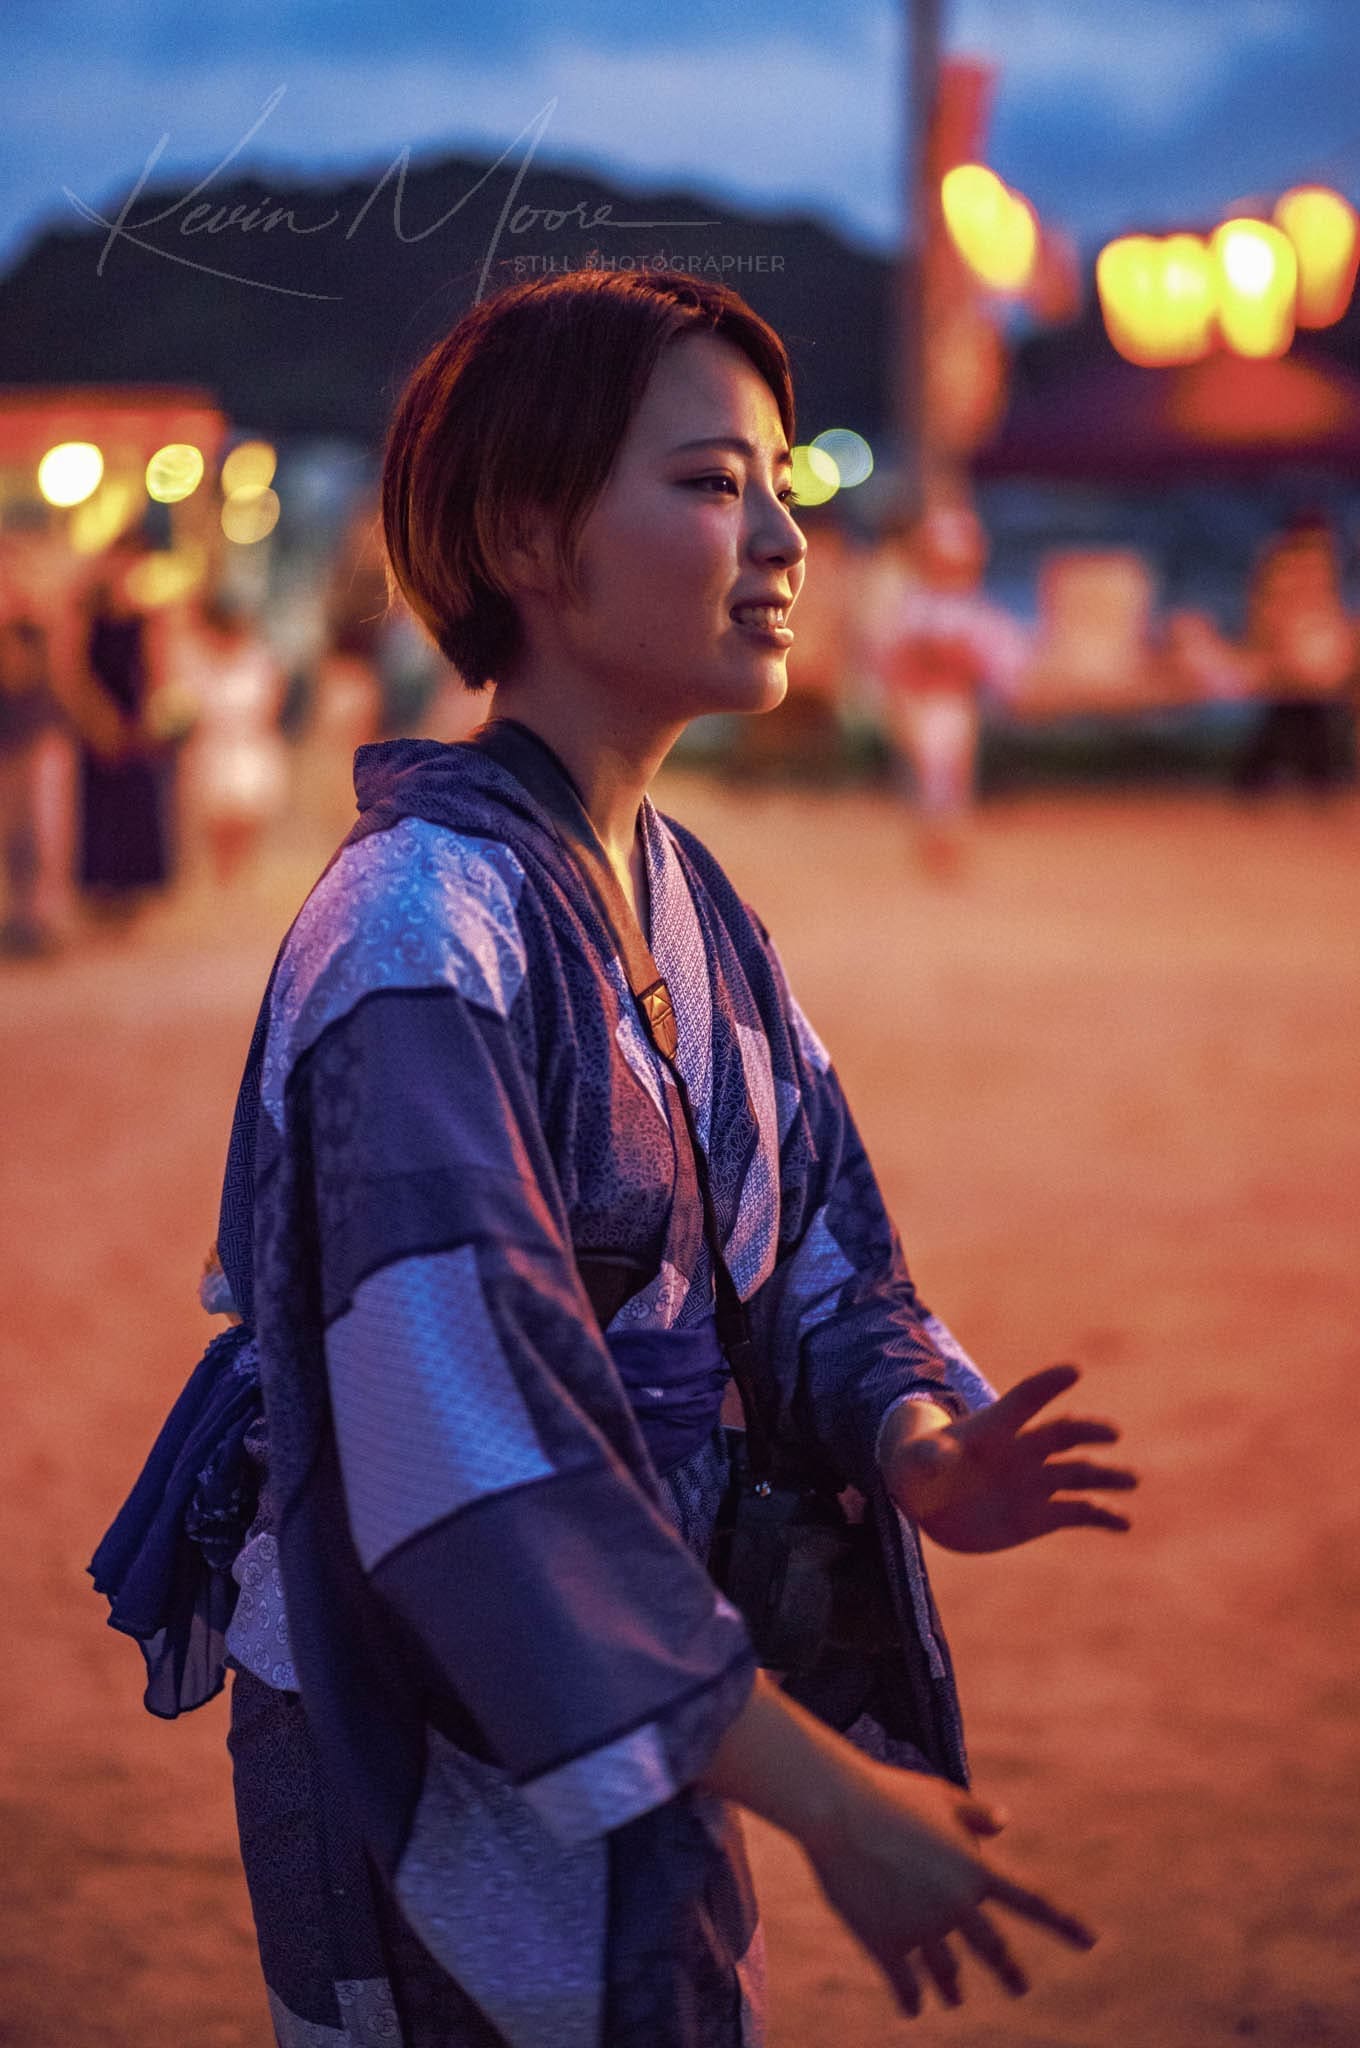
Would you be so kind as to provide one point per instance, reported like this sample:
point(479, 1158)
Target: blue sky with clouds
point(1108, 113)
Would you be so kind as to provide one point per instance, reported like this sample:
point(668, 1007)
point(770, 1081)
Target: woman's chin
point(761, 687)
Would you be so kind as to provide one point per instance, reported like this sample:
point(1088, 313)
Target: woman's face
point(693, 526)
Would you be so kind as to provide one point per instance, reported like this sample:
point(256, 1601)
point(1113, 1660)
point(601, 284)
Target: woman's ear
point(530, 556)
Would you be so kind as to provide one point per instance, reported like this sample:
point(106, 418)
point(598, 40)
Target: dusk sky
point(1108, 113)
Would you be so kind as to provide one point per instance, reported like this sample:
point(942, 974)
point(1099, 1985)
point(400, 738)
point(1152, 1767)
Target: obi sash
point(165, 1563)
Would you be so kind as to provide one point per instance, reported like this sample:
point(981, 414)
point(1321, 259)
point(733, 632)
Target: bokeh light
point(103, 515)
point(1323, 229)
point(250, 515)
point(1158, 297)
point(70, 472)
point(174, 472)
point(249, 467)
point(166, 576)
point(851, 453)
point(993, 228)
point(1257, 281)
point(815, 475)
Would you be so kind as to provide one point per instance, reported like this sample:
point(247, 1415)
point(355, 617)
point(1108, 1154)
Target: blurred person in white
point(37, 749)
point(937, 644)
point(236, 767)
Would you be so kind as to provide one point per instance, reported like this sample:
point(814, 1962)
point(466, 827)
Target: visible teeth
point(759, 614)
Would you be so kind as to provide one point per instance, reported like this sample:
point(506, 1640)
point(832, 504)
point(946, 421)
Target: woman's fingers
point(1034, 1906)
point(1078, 1514)
point(943, 1969)
point(1066, 1434)
point(1079, 1475)
point(1024, 1400)
point(902, 1977)
point(990, 1947)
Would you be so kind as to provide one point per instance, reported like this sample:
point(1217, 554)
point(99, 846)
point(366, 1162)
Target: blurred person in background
point(1305, 646)
point(939, 644)
point(506, 1225)
point(347, 708)
point(127, 765)
point(37, 754)
point(235, 769)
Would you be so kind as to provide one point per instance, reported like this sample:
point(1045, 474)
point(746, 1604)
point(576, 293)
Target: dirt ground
point(1110, 1083)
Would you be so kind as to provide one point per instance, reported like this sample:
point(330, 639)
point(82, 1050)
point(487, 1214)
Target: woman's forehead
point(703, 388)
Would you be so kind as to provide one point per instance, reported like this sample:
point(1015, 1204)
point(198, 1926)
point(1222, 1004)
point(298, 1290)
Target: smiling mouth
point(764, 621)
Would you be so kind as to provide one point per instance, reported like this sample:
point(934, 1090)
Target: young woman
point(491, 1715)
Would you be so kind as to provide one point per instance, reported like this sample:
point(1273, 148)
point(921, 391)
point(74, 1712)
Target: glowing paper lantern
point(993, 228)
point(174, 472)
point(1323, 229)
point(249, 515)
point(851, 453)
point(249, 467)
point(1158, 297)
point(70, 472)
point(1257, 282)
point(815, 475)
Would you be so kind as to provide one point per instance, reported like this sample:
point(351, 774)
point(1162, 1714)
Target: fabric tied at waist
point(165, 1563)
point(674, 1380)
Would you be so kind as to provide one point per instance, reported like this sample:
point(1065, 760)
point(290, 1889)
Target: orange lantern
point(994, 229)
point(1257, 284)
point(1323, 229)
point(1157, 298)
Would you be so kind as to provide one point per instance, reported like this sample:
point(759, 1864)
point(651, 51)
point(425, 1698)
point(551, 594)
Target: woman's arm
point(894, 1851)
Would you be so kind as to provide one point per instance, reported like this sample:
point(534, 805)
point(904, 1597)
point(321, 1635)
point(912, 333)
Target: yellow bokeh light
point(1323, 229)
point(165, 576)
point(815, 475)
point(851, 453)
point(103, 515)
point(249, 515)
point(250, 467)
point(1257, 283)
point(1158, 297)
point(174, 472)
point(70, 472)
point(992, 227)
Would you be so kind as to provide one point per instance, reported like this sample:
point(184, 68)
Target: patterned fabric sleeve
point(841, 1300)
point(483, 1440)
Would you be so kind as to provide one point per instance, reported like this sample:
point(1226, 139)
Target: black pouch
point(802, 1575)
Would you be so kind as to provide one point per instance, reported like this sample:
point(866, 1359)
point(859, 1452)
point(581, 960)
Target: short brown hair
point(522, 407)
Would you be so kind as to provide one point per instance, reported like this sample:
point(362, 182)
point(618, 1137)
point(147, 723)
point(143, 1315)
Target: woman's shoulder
point(408, 905)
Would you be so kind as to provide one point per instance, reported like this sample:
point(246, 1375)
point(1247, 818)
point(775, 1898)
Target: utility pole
point(908, 330)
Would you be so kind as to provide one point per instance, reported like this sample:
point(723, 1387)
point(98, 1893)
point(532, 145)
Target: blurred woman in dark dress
point(125, 782)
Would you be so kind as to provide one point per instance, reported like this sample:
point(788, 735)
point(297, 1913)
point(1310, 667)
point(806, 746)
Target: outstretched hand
point(986, 1482)
point(903, 1869)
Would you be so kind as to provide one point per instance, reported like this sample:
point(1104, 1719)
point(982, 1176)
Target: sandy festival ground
point(1110, 1083)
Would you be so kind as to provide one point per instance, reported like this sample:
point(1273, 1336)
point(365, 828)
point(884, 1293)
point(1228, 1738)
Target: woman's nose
point(776, 534)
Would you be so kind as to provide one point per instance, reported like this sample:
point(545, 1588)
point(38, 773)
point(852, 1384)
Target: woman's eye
point(789, 497)
point(730, 482)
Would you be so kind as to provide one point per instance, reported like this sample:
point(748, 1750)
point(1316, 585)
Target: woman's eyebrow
point(738, 446)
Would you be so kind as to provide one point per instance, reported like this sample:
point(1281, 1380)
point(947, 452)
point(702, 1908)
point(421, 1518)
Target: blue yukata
point(479, 1660)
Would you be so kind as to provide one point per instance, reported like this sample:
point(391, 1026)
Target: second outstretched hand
point(901, 1867)
point(987, 1482)
point(897, 1853)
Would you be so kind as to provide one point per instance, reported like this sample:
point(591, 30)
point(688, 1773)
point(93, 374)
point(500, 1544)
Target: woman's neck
point(610, 764)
